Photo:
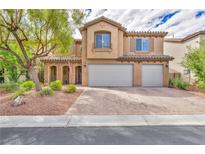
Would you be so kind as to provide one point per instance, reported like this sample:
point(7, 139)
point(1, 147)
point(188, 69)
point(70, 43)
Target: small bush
point(171, 83)
point(9, 87)
point(27, 85)
point(46, 91)
point(71, 88)
point(178, 83)
point(201, 86)
point(20, 92)
point(56, 85)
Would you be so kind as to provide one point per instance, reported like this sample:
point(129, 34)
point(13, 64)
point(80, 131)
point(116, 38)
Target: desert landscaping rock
point(18, 101)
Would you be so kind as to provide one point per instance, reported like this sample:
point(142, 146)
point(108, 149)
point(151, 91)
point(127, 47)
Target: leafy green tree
point(194, 60)
point(9, 64)
point(31, 34)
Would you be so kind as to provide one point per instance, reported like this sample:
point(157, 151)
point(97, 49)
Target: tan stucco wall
point(84, 57)
point(126, 44)
point(178, 51)
point(104, 53)
point(156, 45)
point(77, 49)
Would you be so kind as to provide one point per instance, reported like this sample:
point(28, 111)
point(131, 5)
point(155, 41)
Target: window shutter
point(151, 44)
point(132, 44)
point(138, 44)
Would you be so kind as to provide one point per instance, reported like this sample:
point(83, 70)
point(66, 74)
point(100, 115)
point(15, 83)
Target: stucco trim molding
point(61, 59)
point(145, 57)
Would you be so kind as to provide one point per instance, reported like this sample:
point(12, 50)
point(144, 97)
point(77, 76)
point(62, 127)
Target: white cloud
point(184, 22)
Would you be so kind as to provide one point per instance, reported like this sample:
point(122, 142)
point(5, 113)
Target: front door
point(78, 76)
point(65, 75)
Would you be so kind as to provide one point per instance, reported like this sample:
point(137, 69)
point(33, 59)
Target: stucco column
point(137, 75)
point(59, 72)
point(166, 74)
point(84, 64)
point(72, 73)
point(46, 74)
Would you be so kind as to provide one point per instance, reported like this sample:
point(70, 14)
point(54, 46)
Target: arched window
point(102, 39)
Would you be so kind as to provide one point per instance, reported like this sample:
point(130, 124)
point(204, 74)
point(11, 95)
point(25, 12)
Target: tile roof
point(145, 57)
point(146, 33)
point(180, 40)
point(55, 58)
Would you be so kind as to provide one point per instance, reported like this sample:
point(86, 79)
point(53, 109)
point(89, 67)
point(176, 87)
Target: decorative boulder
point(18, 101)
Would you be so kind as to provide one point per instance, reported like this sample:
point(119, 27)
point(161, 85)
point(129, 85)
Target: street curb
point(100, 120)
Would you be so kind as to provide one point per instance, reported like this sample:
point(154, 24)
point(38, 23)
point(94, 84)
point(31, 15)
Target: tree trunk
point(34, 77)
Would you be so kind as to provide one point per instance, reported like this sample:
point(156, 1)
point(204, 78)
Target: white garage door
point(152, 75)
point(110, 75)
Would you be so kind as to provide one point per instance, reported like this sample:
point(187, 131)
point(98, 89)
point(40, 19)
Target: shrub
point(71, 88)
point(20, 92)
point(9, 87)
point(27, 85)
point(171, 83)
point(46, 91)
point(178, 83)
point(56, 85)
point(201, 85)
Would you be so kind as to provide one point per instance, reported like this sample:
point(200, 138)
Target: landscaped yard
point(56, 104)
point(106, 101)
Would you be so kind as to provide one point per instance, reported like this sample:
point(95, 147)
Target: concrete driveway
point(139, 101)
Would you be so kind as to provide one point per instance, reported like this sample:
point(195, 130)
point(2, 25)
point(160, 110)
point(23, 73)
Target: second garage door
point(110, 75)
point(152, 75)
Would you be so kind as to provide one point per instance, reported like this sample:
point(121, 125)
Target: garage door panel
point(110, 75)
point(152, 75)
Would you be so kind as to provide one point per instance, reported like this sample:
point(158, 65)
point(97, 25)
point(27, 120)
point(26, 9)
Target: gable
point(104, 20)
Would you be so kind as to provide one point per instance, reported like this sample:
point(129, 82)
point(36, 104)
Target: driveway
point(137, 101)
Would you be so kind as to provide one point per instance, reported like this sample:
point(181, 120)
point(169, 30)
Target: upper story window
point(142, 44)
point(102, 40)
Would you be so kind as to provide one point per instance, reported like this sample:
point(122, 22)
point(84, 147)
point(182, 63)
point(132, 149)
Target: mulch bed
point(194, 90)
point(57, 104)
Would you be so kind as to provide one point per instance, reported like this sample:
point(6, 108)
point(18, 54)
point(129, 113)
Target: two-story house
point(109, 55)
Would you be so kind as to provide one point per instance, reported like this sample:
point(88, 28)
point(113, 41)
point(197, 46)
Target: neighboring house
point(178, 48)
point(109, 55)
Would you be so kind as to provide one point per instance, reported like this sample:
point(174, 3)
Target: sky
point(178, 23)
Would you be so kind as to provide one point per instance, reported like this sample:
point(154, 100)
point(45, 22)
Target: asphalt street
point(138, 135)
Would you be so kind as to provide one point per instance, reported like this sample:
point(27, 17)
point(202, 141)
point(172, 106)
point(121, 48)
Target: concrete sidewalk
point(100, 120)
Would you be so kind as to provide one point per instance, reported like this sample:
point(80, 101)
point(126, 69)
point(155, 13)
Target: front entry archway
point(78, 75)
point(53, 73)
point(65, 75)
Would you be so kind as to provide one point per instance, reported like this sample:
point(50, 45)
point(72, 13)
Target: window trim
point(142, 51)
point(101, 32)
